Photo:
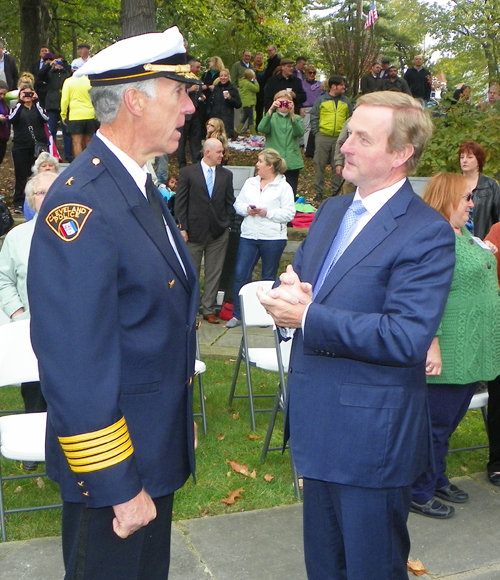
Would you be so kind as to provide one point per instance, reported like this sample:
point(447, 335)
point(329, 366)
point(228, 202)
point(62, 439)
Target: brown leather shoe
point(211, 318)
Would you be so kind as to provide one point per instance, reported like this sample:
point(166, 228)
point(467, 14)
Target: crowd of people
point(393, 301)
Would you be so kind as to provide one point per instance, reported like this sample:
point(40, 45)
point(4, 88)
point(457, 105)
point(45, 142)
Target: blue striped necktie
point(210, 181)
point(351, 216)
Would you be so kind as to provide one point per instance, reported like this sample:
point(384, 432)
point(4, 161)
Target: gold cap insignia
point(96, 161)
point(86, 493)
point(70, 181)
point(81, 483)
point(171, 283)
point(67, 220)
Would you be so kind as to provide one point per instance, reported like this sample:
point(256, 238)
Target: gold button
point(96, 161)
point(81, 483)
point(86, 493)
point(70, 181)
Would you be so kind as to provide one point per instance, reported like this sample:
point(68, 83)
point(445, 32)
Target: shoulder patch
point(67, 220)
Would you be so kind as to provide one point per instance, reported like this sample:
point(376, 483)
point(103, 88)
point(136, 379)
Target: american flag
point(372, 15)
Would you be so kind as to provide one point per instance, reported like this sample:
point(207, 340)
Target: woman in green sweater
point(249, 87)
point(283, 130)
point(466, 349)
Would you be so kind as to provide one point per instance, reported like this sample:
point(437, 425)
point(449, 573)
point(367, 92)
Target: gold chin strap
point(179, 69)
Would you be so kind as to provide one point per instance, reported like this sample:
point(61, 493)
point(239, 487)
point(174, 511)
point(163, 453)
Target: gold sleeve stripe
point(99, 457)
point(75, 454)
point(103, 464)
point(98, 449)
point(94, 434)
point(91, 444)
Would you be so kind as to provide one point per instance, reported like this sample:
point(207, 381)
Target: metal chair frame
point(478, 401)
point(245, 352)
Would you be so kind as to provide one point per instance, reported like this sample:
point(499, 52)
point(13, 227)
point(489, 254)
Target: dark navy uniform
point(113, 327)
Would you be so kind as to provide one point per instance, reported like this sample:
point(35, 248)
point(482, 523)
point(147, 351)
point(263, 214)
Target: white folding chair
point(252, 314)
point(22, 437)
point(478, 401)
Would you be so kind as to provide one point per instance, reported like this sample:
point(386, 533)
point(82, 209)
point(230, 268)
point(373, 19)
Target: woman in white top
point(267, 203)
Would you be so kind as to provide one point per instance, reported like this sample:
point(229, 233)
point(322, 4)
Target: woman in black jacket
point(54, 73)
point(485, 189)
point(226, 98)
point(28, 120)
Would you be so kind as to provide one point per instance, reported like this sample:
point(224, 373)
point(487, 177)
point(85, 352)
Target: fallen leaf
point(243, 469)
point(253, 437)
point(18, 489)
point(40, 483)
point(416, 567)
point(268, 477)
point(236, 416)
point(463, 468)
point(220, 436)
point(233, 495)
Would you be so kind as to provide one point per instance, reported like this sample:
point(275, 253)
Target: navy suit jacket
point(113, 326)
point(198, 213)
point(357, 408)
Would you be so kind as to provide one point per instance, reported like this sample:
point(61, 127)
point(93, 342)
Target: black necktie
point(153, 199)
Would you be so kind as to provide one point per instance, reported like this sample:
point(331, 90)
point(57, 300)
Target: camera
point(28, 93)
point(284, 104)
point(59, 61)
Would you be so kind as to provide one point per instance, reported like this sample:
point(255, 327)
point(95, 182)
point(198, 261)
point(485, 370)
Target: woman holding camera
point(283, 130)
point(54, 73)
point(28, 120)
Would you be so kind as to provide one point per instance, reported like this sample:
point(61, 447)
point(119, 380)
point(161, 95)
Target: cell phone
point(28, 94)
point(252, 206)
point(59, 61)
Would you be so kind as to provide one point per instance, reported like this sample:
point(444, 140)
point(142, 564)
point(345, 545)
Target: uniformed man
point(114, 297)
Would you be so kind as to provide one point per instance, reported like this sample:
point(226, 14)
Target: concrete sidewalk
point(267, 544)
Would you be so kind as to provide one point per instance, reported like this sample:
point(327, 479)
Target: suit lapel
point(373, 234)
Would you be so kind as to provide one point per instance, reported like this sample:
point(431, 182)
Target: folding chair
point(252, 314)
point(199, 368)
point(22, 437)
point(279, 364)
point(18, 363)
point(478, 401)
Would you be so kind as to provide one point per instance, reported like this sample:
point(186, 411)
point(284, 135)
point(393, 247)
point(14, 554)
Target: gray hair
point(32, 184)
point(107, 100)
point(45, 157)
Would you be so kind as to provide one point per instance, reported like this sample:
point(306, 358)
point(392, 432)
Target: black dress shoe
point(494, 478)
point(433, 509)
point(452, 493)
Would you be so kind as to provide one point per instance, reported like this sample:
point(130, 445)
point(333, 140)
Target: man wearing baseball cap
point(84, 52)
point(114, 297)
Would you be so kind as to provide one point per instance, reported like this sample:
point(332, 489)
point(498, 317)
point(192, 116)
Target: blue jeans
point(54, 118)
point(249, 252)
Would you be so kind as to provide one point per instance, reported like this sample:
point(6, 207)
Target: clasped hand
point(287, 302)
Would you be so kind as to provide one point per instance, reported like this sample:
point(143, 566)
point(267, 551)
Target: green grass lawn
point(227, 440)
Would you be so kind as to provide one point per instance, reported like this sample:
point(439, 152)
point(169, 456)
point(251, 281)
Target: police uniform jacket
point(113, 327)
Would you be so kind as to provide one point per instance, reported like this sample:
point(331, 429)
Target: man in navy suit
point(204, 208)
point(365, 297)
point(114, 296)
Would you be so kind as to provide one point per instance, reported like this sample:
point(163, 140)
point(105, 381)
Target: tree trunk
point(35, 21)
point(137, 17)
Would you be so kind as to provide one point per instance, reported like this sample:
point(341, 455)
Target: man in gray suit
point(204, 207)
